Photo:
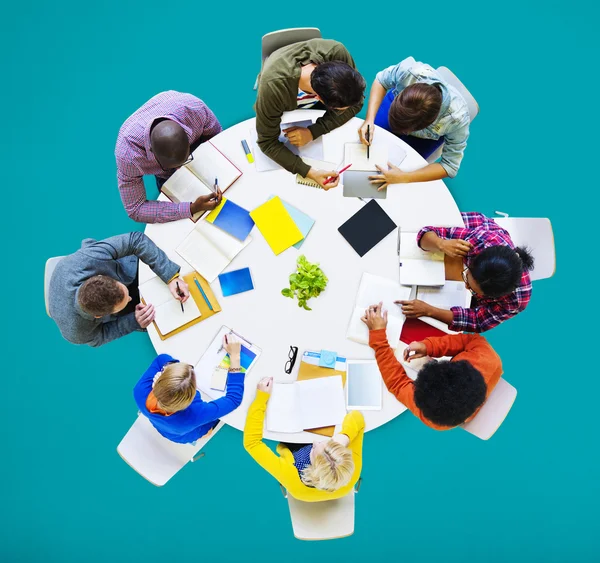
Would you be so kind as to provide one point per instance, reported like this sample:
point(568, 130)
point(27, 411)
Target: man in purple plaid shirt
point(156, 140)
point(495, 272)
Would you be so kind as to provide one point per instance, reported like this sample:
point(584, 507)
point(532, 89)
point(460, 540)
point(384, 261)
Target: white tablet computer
point(364, 389)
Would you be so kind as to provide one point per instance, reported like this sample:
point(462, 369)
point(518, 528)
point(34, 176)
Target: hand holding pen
point(179, 290)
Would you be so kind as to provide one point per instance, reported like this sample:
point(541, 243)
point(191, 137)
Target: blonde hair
point(331, 469)
point(175, 389)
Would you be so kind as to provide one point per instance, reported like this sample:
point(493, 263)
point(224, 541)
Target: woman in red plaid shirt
point(494, 271)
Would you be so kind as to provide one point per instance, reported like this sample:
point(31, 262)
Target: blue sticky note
point(327, 359)
point(234, 220)
point(237, 281)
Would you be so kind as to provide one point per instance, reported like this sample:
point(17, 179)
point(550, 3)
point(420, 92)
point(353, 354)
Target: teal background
point(73, 71)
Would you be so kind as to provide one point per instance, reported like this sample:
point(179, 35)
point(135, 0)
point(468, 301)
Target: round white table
point(267, 318)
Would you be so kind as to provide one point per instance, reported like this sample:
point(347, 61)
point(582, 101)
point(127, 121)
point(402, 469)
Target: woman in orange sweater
point(445, 394)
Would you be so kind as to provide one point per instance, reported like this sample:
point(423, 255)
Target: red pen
point(329, 180)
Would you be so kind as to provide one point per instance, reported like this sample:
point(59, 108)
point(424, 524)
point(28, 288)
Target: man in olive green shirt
point(320, 69)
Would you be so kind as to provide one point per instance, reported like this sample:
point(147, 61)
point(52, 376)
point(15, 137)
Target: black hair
point(448, 393)
point(498, 269)
point(338, 84)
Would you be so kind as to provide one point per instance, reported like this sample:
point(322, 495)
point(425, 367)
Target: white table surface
point(264, 316)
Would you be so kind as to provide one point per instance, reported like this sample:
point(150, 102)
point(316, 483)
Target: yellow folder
point(276, 225)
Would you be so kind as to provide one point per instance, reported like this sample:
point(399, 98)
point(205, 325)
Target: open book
point(210, 250)
point(451, 294)
point(312, 403)
point(168, 309)
point(197, 178)
point(418, 267)
point(372, 290)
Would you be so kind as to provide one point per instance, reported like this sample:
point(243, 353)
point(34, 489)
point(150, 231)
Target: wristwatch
point(235, 370)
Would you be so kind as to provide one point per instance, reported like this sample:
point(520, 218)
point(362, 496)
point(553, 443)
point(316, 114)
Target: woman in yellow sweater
point(324, 470)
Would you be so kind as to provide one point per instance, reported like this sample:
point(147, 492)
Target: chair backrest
point(448, 76)
point(535, 233)
point(493, 412)
point(326, 520)
point(277, 39)
point(154, 457)
point(48, 271)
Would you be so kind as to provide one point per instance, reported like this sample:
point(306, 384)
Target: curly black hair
point(448, 393)
point(498, 269)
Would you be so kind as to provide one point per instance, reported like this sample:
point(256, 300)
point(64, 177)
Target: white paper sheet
point(419, 267)
point(356, 154)
point(209, 163)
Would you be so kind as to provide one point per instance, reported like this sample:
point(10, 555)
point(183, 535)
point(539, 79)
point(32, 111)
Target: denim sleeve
point(393, 77)
point(454, 149)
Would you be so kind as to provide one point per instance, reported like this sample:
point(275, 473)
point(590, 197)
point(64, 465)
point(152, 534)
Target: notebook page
point(374, 289)
point(356, 154)
point(422, 272)
point(156, 292)
point(451, 294)
point(184, 186)
point(282, 410)
point(169, 315)
point(321, 401)
point(199, 252)
point(359, 332)
point(410, 249)
point(210, 163)
point(224, 243)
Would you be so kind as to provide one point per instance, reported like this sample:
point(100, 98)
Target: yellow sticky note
point(276, 225)
point(215, 212)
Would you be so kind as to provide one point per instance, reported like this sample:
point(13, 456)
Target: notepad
point(451, 294)
point(317, 165)
point(372, 290)
point(235, 282)
point(313, 150)
point(312, 403)
point(168, 314)
point(232, 219)
point(367, 227)
point(197, 178)
point(302, 220)
point(276, 225)
point(364, 386)
point(418, 267)
point(356, 154)
point(209, 250)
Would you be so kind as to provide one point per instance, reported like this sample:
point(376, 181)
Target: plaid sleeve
point(491, 314)
point(443, 232)
point(204, 121)
point(474, 220)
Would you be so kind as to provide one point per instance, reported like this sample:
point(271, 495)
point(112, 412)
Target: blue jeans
point(425, 147)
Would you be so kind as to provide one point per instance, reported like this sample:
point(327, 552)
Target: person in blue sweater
point(167, 395)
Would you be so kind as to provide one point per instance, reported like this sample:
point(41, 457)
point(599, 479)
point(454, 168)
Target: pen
point(368, 139)
point(203, 294)
point(180, 295)
point(329, 180)
point(246, 148)
point(216, 186)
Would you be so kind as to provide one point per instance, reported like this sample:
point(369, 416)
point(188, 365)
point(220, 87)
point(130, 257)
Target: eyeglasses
point(293, 354)
point(464, 277)
point(187, 161)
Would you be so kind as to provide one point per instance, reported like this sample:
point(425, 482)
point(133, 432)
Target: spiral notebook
point(318, 165)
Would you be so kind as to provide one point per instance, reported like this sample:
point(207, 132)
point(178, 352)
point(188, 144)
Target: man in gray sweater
point(89, 296)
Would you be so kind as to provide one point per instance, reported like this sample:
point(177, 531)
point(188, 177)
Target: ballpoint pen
point(216, 186)
point(368, 139)
point(180, 295)
point(203, 294)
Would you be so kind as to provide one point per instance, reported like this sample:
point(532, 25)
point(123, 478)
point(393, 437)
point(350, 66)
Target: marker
point(249, 156)
point(203, 294)
point(329, 180)
point(368, 139)
point(180, 295)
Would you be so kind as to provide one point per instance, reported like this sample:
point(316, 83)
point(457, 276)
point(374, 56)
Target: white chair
point(154, 457)
point(325, 520)
point(48, 271)
point(537, 235)
point(277, 39)
point(448, 76)
point(493, 412)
